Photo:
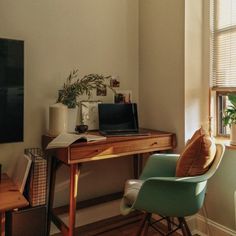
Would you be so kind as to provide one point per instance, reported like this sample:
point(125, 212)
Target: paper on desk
point(66, 139)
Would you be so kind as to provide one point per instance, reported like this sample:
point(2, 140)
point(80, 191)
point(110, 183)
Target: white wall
point(161, 68)
point(94, 36)
point(196, 94)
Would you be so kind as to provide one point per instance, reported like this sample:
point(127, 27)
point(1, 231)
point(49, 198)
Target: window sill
point(226, 142)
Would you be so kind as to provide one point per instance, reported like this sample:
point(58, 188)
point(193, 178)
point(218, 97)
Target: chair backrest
point(220, 149)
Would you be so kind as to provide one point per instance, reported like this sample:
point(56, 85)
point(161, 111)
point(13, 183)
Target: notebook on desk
point(119, 119)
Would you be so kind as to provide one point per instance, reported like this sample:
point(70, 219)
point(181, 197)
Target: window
point(222, 104)
point(223, 56)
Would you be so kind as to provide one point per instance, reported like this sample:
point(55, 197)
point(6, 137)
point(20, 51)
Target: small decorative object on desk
point(89, 114)
point(81, 128)
point(37, 189)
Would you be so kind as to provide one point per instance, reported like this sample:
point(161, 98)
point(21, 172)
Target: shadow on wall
point(97, 179)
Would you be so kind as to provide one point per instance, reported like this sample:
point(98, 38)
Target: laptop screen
point(118, 117)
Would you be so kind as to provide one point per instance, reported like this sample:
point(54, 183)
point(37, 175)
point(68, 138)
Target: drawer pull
point(155, 143)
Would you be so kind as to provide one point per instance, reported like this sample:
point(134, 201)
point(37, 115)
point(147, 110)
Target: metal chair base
point(172, 226)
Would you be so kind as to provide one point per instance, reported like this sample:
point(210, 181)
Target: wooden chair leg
point(143, 225)
point(2, 223)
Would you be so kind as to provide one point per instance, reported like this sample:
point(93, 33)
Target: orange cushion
point(196, 135)
point(197, 156)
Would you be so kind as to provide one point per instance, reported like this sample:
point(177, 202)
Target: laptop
point(119, 119)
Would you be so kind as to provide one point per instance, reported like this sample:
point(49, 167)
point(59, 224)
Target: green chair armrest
point(160, 165)
point(187, 179)
point(182, 197)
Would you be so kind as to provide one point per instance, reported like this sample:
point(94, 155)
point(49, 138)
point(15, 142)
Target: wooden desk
point(113, 147)
point(10, 198)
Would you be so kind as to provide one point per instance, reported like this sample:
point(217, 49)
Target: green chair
point(158, 191)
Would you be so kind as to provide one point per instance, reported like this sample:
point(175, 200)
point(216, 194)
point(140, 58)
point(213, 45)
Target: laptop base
point(124, 134)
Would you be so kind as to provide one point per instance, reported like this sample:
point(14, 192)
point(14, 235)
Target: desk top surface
point(113, 146)
point(114, 139)
point(10, 197)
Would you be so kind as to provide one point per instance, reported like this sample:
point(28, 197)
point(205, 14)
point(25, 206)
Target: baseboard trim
point(204, 227)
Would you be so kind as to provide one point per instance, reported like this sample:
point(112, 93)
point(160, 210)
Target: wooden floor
point(116, 226)
point(128, 230)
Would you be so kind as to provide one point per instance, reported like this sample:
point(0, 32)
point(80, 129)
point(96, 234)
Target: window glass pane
point(223, 103)
point(225, 13)
point(225, 59)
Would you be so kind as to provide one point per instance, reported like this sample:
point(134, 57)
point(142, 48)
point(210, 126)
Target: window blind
point(223, 43)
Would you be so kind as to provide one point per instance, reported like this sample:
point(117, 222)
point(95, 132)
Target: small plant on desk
point(75, 87)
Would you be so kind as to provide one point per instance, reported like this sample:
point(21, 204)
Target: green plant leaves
point(232, 99)
point(75, 87)
point(229, 116)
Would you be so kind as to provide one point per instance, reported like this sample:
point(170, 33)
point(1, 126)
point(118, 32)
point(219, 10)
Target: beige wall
point(196, 103)
point(161, 84)
point(95, 36)
point(220, 199)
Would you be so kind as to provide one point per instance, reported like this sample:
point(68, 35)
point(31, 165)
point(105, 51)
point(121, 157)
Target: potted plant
point(75, 87)
point(229, 118)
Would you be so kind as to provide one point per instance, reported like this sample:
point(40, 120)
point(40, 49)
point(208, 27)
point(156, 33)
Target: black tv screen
point(11, 90)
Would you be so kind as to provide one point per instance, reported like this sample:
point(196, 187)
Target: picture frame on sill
point(89, 114)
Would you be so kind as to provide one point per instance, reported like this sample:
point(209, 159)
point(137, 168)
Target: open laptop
point(118, 119)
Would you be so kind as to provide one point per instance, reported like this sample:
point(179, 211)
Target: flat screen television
point(11, 90)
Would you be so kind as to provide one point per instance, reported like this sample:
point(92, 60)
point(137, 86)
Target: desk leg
point(53, 165)
point(74, 177)
point(137, 165)
point(2, 225)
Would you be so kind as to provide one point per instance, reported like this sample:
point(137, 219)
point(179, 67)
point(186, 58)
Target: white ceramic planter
point(233, 134)
point(73, 119)
point(57, 119)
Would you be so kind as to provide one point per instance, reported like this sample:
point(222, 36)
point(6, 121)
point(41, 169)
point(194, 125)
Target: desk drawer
point(125, 148)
